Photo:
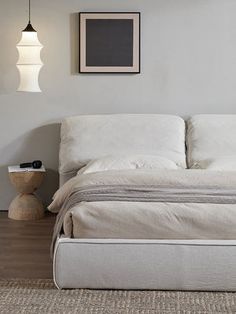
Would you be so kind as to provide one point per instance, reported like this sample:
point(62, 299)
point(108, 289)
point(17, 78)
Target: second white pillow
point(128, 162)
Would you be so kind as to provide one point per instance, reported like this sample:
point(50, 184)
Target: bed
point(132, 217)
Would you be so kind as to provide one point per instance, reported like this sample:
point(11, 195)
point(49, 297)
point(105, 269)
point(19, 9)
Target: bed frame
point(142, 264)
point(145, 264)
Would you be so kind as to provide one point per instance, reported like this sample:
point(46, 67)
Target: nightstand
point(26, 205)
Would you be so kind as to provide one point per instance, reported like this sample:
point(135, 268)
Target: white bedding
point(127, 162)
point(88, 137)
point(191, 185)
point(211, 142)
point(139, 220)
point(148, 203)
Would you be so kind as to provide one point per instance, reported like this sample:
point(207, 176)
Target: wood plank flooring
point(24, 247)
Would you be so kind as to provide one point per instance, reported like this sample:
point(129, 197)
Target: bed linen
point(211, 142)
point(87, 137)
point(167, 186)
point(127, 162)
point(191, 185)
point(149, 220)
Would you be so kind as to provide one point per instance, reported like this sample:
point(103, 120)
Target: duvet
point(148, 203)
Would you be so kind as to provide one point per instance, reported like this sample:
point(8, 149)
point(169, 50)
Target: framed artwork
point(109, 42)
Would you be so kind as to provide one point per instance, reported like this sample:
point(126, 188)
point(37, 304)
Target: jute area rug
point(40, 296)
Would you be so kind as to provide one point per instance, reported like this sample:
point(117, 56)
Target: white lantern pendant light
point(29, 62)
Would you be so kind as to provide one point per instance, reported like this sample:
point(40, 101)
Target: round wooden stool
point(26, 206)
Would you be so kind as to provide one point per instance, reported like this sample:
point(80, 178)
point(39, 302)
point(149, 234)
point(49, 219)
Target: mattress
point(148, 220)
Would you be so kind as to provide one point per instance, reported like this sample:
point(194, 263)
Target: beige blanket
point(177, 186)
point(163, 185)
point(144, 220)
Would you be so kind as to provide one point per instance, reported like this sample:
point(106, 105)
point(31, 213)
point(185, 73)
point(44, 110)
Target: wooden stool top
point(26, 181)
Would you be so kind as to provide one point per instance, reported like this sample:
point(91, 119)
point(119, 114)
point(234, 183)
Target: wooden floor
point(24, 247)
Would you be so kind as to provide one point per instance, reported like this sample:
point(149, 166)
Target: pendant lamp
point(29, 62)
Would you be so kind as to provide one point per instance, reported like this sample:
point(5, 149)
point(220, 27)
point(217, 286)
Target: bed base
point(203, 265)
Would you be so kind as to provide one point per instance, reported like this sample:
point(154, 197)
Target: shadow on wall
point(40, 143)
point(49, 186)
point(74, 43)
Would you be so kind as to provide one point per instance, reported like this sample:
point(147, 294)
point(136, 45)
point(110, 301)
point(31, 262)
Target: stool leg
point(26, 207)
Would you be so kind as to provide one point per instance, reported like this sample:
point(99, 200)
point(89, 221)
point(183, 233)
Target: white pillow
point(128, 162)
point(211, 137)
point(226, 163)
point(87, 137)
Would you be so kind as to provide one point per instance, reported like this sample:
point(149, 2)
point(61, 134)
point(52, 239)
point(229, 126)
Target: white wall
point(188, 67)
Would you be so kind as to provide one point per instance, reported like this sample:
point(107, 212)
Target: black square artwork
point(109, 42)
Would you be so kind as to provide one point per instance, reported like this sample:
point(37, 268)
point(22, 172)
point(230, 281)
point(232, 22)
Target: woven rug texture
point(40, 296)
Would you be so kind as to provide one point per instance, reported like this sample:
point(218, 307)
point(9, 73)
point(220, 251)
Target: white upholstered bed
point(158, 244)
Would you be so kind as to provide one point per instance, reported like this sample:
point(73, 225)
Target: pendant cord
point(29, 27)
point(29, 11)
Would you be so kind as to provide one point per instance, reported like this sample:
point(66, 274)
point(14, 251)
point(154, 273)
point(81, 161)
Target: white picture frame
point(109, 42)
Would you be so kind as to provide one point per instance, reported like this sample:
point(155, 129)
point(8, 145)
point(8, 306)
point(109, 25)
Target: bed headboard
point(88, 137)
